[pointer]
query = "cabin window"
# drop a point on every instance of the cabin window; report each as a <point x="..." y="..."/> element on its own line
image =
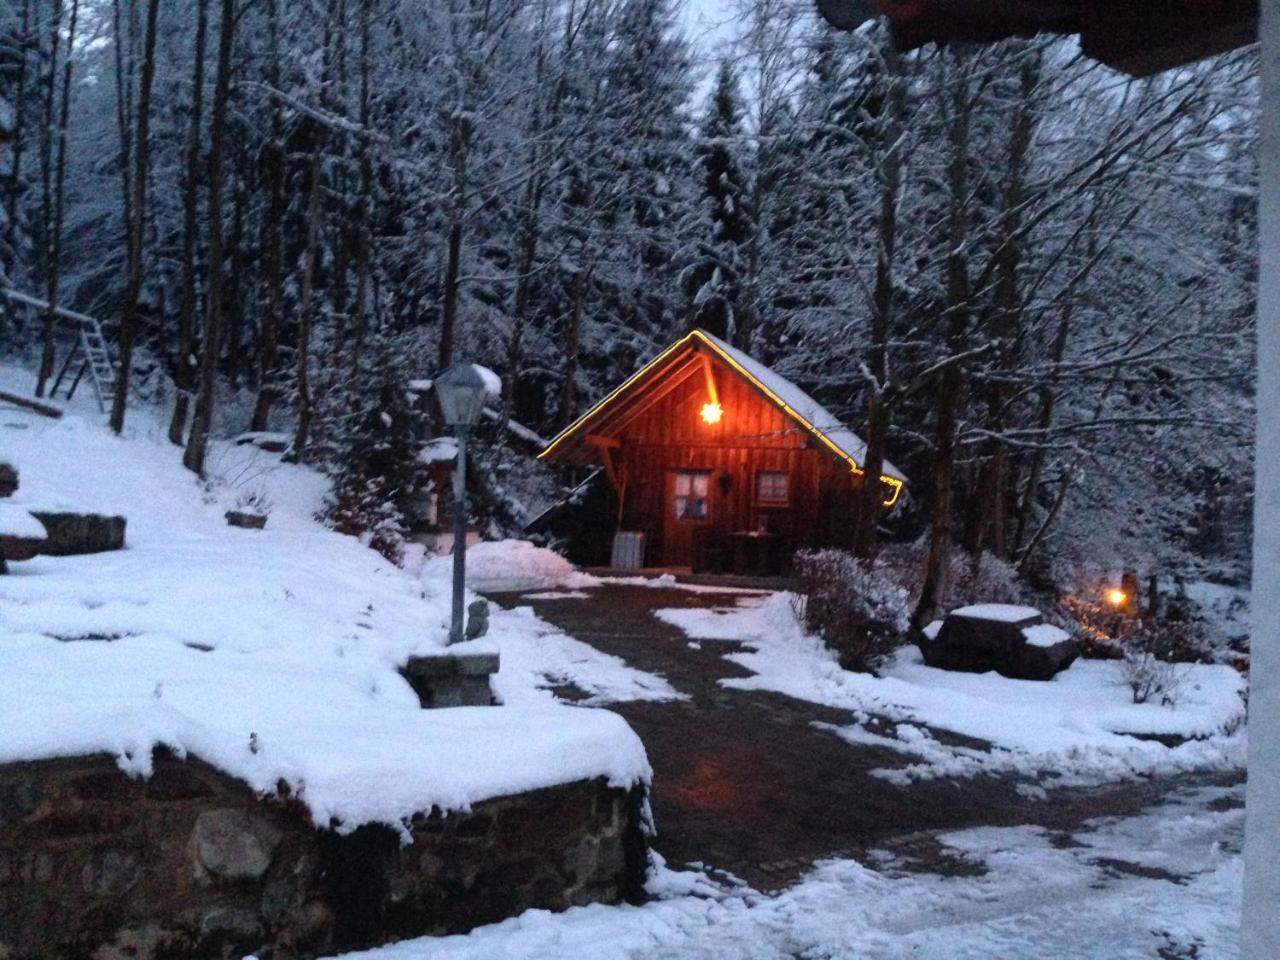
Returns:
<point x="691" y="494"/>
<point x="772" y="487"/>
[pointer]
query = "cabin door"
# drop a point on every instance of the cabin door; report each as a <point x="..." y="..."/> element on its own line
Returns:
<point x="687" y="509"/>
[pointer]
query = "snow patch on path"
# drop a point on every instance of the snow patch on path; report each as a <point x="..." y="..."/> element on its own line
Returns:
<point x="1080" y="726"/>
<point x="1036" y="901"/>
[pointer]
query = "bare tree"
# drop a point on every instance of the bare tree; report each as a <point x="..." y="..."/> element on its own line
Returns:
<point x="137" y="218"/>
<point x="186" y="366"/>
<point x="198" y="440"/>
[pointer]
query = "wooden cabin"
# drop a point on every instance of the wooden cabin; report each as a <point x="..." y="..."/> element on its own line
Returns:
<point x="716" y="463"/>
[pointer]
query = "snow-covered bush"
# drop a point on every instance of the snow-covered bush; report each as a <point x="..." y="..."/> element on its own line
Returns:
<point x="985" y="579"/>
<point x="254" y="501"/>
<point x="860" y="613"/>
<point x="376" y="468"/>
<point x="1148" y="678"/>
<point x="368" y="512"/>
<point x="981" y="579"/>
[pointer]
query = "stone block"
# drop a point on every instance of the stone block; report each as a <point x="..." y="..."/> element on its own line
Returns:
<point x="71" y="534"/>
<point x="233" y="844"/>
<point x="246" y="521"/>
<point x="452" y="679"/>
<point x="973" y="641"/>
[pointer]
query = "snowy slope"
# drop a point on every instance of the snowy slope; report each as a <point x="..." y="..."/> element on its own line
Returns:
<point x="272" y="654"/>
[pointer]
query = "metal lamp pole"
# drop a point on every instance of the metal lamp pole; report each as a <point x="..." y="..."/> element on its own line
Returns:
<point x="459" y="533"/>
<point x="460" y="391"/>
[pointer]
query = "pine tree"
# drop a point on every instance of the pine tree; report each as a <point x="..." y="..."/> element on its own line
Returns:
<point x="375" y="466"/>
<point x="723" y="221"/>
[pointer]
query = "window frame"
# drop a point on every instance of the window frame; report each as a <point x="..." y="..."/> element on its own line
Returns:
<point x="763" y="501"/>
<point x="691" y="495"/>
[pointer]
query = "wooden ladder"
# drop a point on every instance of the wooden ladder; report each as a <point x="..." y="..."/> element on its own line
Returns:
<point x="90" y="345"/>
<point x="96" y="362"/>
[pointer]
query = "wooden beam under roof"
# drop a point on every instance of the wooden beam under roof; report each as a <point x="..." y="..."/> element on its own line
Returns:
<point x="1138" y="37"/>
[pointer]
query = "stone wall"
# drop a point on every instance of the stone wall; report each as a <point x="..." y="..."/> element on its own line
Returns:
<point x="191" y="864"/>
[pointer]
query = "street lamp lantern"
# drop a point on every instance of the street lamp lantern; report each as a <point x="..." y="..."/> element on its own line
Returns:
<point x="461" y="392"/>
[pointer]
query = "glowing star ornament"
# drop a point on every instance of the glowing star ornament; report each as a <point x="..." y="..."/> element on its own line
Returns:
<point x="712" y="412"/>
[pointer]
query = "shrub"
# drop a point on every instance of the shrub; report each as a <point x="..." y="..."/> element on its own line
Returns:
<point x="1149" y="678"/>
<point x="365" y="509"/>
<point x="861" y="614"/>
<point x="985" y="579"/>
<point x="1147" y="663"/>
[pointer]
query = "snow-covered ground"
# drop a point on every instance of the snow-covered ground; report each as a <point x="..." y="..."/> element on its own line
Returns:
<point x="1080" y="727"/>
<point x="272" y="654"/>
<point x="1161" y="886"/>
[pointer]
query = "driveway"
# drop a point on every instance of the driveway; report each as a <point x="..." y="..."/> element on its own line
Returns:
<point x="745" y="783"/>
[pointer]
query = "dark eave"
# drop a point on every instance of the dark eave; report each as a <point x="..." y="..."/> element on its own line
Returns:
<point x="1138" y="37"/>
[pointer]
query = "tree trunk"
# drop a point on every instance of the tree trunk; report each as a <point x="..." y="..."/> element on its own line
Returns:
<point x="19" y="138"/>
<point x="364" y="206"/>
<point x="525" y="261"/>
<point x="458" y="148"/>
<point x="184" y="371"/>
<point x="449" y="311"/>
<point x="879" y="409"/>
<point x="951" y="388"/>
<point x="202" y="418"/>
<point x="137" y="220"/>
<point x="54" y="180"/>
<point x="988" y="504"/>
<point x="272" y="238"/>
<point x="573" y="346"/>
<point x="304" y="320"/>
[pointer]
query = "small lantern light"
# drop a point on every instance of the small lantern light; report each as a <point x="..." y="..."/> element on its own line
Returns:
<point x="1117" y="597"/>
<point x="460" y="391"/>
<point x="712" y="412"/>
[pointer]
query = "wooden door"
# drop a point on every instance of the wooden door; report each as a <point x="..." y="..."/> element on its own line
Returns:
<point x="687" y="509"/>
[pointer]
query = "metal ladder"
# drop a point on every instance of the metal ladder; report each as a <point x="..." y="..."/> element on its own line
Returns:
<point x="89" y="343"/>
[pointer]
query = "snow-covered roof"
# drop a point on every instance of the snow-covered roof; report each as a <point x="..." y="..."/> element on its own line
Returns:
<point x="800" y="405"/>
<point x="789" y="398"/>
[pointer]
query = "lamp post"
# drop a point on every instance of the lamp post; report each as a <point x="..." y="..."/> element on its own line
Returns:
<point x="460" y="391"/>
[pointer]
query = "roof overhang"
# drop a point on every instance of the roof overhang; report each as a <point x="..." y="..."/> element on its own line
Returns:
<point x="579" y="434"/>
<point x="1137" y="37"/>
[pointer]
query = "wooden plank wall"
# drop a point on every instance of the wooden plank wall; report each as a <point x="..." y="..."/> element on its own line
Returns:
<point x="752" y="435"/>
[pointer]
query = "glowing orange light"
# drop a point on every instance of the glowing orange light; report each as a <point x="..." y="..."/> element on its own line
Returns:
<point x="1117" y="597"/>
<point x="712" y="412"/>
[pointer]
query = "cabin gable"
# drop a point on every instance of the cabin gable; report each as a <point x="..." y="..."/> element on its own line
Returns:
<point x="709" y="461"/>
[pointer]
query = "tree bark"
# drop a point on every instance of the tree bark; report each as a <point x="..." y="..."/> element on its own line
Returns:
<point x="55" y="192"/>
<point x="302" y="434"/>
<point x="879" y="408"/>
<point x="273" y="238"/>
<point x="137" y="220"/>
<point x="364" y="205"/>
<point x="573" y="345"/>
<point x="184" y="371"/>
<point x="202" y="418"/>
<point x="459" y="147"/>
<point x="951" y="388"/>
<point x="19" y="138"/>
